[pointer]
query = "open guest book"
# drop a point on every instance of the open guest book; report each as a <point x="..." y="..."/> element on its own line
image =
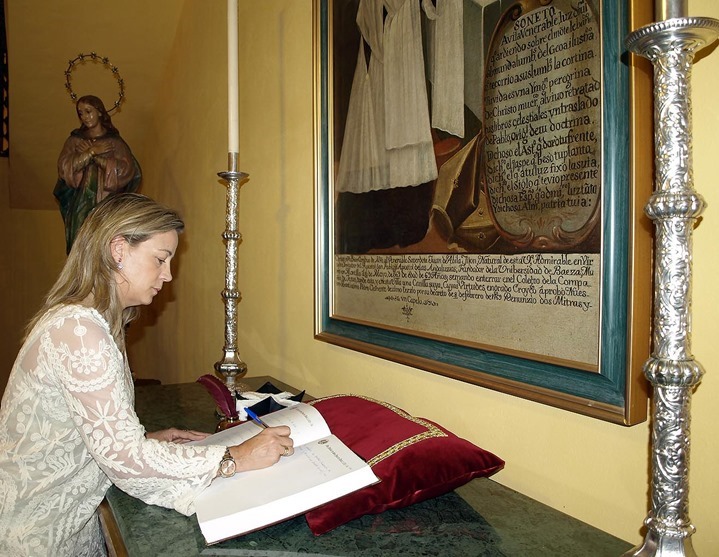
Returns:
<point x="321" y="469"/>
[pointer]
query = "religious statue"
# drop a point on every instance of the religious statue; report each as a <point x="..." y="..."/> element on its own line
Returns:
<point x="95" y="162"/>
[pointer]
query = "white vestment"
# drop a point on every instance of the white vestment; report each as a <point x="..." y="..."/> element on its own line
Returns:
<point x="363" y="164"/>
<point x="446" y="64"/>
<point x="408" y="135"/>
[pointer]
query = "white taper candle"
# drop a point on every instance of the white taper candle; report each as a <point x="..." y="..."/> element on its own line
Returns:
<point x="233" y="123"/>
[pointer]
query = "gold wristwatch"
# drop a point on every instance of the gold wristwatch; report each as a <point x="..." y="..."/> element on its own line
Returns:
<point x="227" y="465"/>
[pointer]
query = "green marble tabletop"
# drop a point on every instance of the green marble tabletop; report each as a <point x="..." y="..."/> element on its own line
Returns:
<point x="482" y="518"/>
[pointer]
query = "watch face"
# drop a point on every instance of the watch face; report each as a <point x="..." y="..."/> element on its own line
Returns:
<point x="227" y="468"/>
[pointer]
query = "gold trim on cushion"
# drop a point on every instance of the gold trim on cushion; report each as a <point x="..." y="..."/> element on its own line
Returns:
<point x="432" y="430"/>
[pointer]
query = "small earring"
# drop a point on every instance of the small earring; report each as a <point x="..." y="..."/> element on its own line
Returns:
<point x="119" y="265"/>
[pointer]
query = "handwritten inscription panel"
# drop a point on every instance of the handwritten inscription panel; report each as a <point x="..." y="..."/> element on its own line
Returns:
<point x="542" y="124"/>
<point x="540" y="304"/>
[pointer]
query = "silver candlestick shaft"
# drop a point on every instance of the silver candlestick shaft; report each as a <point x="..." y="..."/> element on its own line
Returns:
<point x="674" y="207"/>
<point x="231" y="366"/>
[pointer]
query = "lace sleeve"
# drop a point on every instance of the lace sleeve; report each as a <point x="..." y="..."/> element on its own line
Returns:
<point x="97" y="388"/>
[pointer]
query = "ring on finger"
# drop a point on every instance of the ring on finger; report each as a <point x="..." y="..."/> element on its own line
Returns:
<point x="287" y="451"/>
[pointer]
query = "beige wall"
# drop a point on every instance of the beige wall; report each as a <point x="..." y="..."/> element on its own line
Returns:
<point x="590" y="469"/>
<point x="43" y="36"/>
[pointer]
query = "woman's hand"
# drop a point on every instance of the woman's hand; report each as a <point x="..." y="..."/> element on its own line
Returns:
<point x="87" y="150"/>
<point x="264" y="449"/>
<point x="102" y="147"/>
<point x="174" y="435"/>
<point x="86" y="154"/>
<point x="83" y="145"/>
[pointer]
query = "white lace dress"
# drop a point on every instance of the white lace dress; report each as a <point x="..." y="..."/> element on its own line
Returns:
<point x="68" y="429"/>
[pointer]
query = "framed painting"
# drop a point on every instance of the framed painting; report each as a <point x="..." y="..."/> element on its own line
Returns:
<point x="481" y="169"/>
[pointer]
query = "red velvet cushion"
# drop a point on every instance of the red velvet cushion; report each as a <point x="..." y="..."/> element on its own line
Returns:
<point x="414" y="458"/>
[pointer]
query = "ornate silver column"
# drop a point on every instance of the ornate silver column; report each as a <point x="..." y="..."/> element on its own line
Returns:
<point x="231" y="366"/>
<point x="674" y="207"/>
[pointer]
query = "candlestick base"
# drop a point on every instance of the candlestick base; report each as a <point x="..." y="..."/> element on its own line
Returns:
<point x="667" y="546"/>
<point x="231" y="368"/>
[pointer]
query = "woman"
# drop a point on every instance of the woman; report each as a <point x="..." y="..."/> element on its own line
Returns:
<point x="68" y="428"/>
<point x="94" y="163"/>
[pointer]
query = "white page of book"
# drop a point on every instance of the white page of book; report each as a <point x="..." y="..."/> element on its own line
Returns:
<point x="305" y="423"/>
<point x="319" y="471"/>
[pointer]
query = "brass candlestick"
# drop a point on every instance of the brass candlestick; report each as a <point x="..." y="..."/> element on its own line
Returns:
<point x="674" y="207"/>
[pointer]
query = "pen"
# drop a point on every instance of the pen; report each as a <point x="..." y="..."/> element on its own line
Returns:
<point x="255" y="418"/>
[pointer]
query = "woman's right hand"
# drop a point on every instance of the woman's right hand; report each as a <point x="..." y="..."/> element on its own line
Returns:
<point x="264" y="449"/>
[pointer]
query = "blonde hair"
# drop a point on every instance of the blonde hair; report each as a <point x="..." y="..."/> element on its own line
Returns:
<point x="90" y="269"/>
